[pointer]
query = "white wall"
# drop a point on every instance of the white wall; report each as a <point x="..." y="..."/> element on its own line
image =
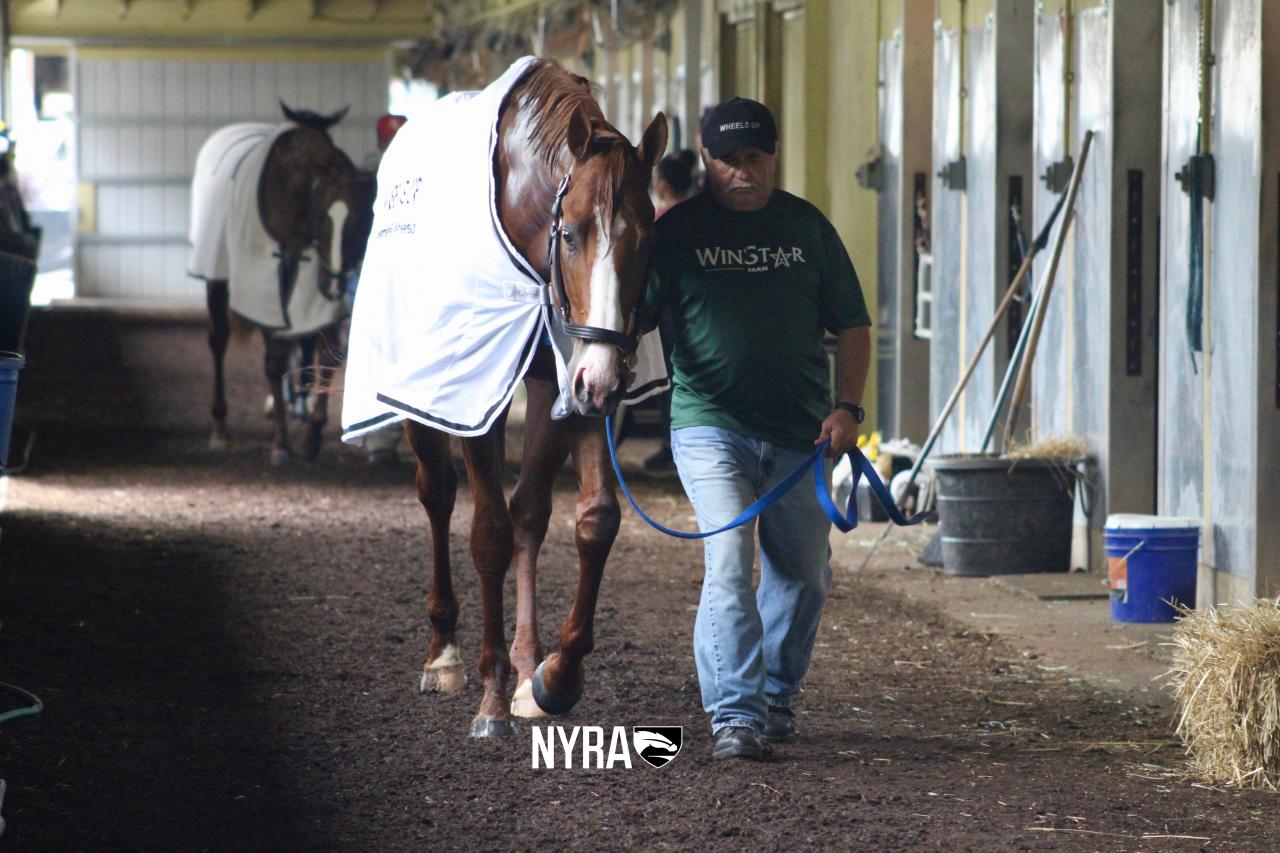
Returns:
<point x="140" y="124"/>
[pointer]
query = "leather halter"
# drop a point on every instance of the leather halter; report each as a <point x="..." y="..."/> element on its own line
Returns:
<point x="627" y="343"/>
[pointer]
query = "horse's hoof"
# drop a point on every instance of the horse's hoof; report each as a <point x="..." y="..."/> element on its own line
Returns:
<point x="310" y="453"/>
<point x="523" y="704"/>
<point x="447" y="680"/>
<point x="445" y="674"/>
<point x="553" y="704"/>
<point x="492" y="727"/>
<point x="281" y="456"/>
<point x="218" y="443"/>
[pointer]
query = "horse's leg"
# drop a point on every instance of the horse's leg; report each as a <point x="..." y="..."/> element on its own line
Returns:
<point x="557" y="683"/>
<point x="546" y="445"/>
<point x="437" y="488"/>
<point x="319" y="376"/>
<point x="491" y="547"/>
<point x="275" y="363"/>
<point x="218" y="301"/>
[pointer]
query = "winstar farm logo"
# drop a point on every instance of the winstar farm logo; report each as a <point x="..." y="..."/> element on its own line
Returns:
<point x="583" y="747"/>
<point x="750" y="258"/>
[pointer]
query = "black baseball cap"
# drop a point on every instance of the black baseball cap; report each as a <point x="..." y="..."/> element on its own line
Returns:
<point x="736" y="123"/>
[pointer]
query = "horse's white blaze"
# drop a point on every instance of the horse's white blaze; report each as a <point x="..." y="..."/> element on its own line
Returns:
<point x="338" y="216"/>
<point x="599" y="364"/>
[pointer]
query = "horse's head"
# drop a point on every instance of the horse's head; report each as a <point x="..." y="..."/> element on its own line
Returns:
<point x="339" y="212"/>
<point x="564" y="172"/>
<point x="603" y="247"/>
<point x="325" y="201"/>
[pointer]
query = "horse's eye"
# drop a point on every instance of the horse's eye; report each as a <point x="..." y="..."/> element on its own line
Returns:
<point x="567" y="236"/>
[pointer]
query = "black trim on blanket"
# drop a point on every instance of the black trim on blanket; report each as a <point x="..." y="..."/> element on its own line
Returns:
<point x="235" y="172"/>
<point x="505" y="398"/>
<point x="249" y="135"/>
<point x="517" y="260"/>
<point x="371" y="422"/>
<point x="646" y="388"/>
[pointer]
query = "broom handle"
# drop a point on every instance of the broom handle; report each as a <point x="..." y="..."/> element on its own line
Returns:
<point x="1010" y="374"/>
<point x="1042" y="308"/>
<point x="968" y="371"/>
<point x="1037" y="246"/>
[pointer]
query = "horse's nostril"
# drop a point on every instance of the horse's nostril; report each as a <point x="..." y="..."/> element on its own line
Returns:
<point x="580" y="388"/>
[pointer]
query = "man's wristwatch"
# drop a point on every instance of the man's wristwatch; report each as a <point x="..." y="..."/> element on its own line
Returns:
<point x="859" y="413"/>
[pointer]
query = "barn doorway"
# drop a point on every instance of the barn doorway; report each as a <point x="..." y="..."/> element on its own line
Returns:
<point x="42" y="132"/>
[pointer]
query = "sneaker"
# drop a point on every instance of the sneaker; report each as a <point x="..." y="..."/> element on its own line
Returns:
<point x="738" y="742"/>
<point x="661" y="464"/>
<point x="780" y="727"/>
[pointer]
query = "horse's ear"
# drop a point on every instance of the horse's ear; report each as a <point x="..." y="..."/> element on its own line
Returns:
<point x="654" y="142"/>
<point x="579" y="135"/>
<point x="290" y="114"/>
<point x="331" y="120"/>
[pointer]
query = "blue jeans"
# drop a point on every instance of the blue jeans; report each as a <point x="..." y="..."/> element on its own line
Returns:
<point x="753" y="648"/>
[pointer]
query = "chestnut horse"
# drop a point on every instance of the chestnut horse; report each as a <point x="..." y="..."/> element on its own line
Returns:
<point x="572" y="195"/>
<point x="310" y="197"/>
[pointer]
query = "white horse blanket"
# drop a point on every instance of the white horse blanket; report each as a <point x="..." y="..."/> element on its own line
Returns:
<point x="448" y="314"/>
<point x="229" y="242"/>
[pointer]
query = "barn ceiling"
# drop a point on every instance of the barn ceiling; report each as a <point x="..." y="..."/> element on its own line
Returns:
<point x="325" y="20"/>
<point x="493" y="23"/>
<point x="456" y="43"/>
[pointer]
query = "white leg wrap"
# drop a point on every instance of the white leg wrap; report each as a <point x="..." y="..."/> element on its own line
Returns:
<point x="523" y="704"/>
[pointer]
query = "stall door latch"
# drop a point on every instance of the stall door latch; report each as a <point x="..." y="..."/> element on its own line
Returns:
<point x="1058" y="176"/>
<point x="1196" y="176"/>
<point x="953" y="175"/>
<point x="871" y="174"/>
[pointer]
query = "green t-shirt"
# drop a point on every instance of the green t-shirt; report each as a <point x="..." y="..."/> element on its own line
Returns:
<point x="750" y="295"/>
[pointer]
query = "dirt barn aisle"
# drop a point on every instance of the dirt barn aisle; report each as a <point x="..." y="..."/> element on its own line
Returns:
<point x="228" y="655"/>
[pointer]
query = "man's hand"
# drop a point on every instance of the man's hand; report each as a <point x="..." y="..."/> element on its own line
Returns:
<point x="841" y="430"/>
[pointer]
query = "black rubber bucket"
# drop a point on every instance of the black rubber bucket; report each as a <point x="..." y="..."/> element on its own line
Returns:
<point x="17" y="275"/>
<point x="998" y="516"/>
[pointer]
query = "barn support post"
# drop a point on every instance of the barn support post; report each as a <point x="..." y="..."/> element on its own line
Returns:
<point x="891" y="169"/>
<point x="982" y="113"/>
<point x="4" y="61"/>
<point x="1219" y="410"/>
<point x="1096" y="74"/>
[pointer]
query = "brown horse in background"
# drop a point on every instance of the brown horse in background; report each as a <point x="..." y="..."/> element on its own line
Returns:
<point x="550" y="127"/>
<point x="305" y="179"/>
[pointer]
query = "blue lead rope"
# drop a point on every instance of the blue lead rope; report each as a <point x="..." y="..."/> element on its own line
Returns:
<point x="845" y="521"/>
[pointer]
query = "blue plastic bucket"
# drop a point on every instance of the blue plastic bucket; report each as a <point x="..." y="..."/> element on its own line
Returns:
<point x="1151" y="562"/>
<point x="10" y="364"/>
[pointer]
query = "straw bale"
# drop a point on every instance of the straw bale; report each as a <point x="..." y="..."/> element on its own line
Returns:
<point x="1226" y="680"/>
<point x="1062" y="448"/>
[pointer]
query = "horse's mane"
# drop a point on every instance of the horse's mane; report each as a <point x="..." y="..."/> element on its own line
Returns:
<point x="555" y="97"/>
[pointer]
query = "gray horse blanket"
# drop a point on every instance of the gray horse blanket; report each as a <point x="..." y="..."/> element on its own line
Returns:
<point x="448" y="314"/>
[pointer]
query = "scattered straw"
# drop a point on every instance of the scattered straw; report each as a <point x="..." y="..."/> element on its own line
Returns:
<point x="1060" y="448"/>
<point x="1226" y="679"/>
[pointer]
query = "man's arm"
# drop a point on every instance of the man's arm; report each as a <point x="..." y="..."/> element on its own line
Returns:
<point x="853" y="360"/>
